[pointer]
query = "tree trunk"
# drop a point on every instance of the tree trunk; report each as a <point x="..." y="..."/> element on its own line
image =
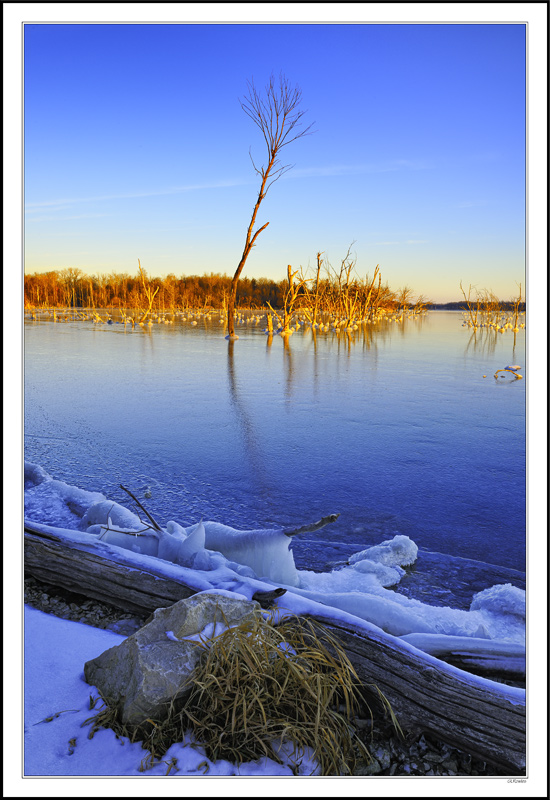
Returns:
<point x="478" y="716"/>
<point x="249" y="244"/>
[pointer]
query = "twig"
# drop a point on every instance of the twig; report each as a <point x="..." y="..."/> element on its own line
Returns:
<point x="154" y="523"/>
<point x="507" y="369"/>
<point x="315" y="526"/>
<point x="106" y="529"/>
<point x="266" y="599"/>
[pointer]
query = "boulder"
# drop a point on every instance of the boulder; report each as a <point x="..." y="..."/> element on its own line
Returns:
<point x="142" y="675"/>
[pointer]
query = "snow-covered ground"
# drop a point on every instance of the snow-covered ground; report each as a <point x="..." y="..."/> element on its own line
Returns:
<point x="57" y="703"/>
<point x="54" y="684"/>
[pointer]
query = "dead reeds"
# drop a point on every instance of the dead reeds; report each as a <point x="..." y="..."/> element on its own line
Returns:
<point x="485" y="310"/>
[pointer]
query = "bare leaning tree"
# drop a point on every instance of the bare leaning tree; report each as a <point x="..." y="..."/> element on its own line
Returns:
<point x="277" y="114"/>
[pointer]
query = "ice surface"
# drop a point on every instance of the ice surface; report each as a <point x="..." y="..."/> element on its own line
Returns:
<point x="441" y="460"/>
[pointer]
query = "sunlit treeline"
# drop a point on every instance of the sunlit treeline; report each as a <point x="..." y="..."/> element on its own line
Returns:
<point x="72" y="288"/>
<point x="341" y="291"/>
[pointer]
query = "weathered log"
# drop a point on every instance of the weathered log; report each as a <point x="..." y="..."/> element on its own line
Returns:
<point x="475" y="715"/>
<point x="80" y="568"/>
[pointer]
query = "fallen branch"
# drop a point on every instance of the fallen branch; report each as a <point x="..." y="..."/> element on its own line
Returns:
<point x="315" y="526"/>
<point x="266" y="599"/>
<point x="153" y="522"/>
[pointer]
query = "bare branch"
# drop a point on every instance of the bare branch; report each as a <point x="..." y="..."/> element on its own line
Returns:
<point x="153" y="522"/>
<point x="315" y="526"/>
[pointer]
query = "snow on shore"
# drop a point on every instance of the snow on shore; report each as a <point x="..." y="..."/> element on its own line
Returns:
<point x="55" y="653"/>
<point x="356" y="596"/>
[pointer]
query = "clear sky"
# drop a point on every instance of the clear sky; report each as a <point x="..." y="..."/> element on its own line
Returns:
<point x="136" y="146"/>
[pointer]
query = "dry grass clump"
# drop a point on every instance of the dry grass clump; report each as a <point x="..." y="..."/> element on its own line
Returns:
<point x="260" y="685"/>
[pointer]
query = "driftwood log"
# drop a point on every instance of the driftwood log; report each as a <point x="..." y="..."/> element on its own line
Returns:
<point x="473" y="716"/>
<point x="476" y="716"/>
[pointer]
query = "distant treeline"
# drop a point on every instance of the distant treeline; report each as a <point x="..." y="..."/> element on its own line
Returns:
<point x="71" y="288"/>
<point x="460" y="305"/>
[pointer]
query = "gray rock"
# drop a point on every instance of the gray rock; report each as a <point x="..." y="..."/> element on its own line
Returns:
<point x="434" y="758"/>
<point x="383" y="756"/>
<point x="367" y="768"/>
<point x="142" y="675"/>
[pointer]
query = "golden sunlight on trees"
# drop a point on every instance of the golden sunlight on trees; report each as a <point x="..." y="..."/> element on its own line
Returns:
<point x="278" y="117"/>
<point x="324" y="297"/>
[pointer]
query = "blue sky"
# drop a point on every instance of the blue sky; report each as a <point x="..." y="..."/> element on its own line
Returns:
<point x="136" y="147"/>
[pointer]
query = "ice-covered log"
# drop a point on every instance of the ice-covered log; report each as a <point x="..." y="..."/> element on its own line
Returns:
<point x="483" y="656"/>
<point x="134" y="582"/>
<point x="79" y="563"/>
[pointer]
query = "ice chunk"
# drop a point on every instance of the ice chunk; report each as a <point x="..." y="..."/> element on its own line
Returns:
<point x="265" y="551"/>
<point x="34" y="475"/>
<point x="502" y="599"/>
<point x="502" y="610"/>
<point x="121" y="517"/>
<point x="192" y="544"/>
<point x="387" y="576"/>
<point x="180" y="544"/>
<point x="169" y="547"/>
<point x="174" y="529"/>
<point x="399" y="551"/>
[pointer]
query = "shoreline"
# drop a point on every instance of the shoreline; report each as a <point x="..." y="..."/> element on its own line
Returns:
<point x="421" y="755"/>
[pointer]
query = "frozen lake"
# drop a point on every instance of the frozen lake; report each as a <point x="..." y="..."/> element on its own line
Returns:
<point x="394" y="427"/>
